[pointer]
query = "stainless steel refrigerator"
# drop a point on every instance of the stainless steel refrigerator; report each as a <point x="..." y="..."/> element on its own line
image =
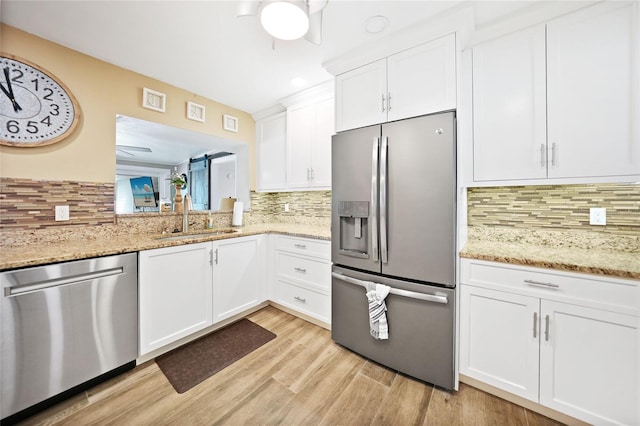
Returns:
<point x="393" y="222"/>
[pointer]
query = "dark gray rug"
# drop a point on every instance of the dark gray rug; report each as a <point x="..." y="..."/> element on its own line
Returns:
<point x="196" y="361"/>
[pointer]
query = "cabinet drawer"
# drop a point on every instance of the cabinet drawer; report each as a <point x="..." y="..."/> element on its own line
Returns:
<point x="309" y="247"/>
<point x="311" y="272"/>
<point x="304" y="300"/>
<point x="597" y="291"/>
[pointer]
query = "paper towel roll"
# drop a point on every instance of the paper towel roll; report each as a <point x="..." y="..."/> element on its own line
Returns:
<point x="237" y="214"/>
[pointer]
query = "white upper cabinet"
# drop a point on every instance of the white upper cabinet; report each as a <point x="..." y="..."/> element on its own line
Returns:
<point x="592" y="93"/>
<point x="309" y="131"/>
<point x="559" y="100"/>
<point x="422" y="80"/>
<point x="271" y="137"/>
<point x="509" y="107"/>
<point x="414" y="82"/>
<point x="361" y="96"/>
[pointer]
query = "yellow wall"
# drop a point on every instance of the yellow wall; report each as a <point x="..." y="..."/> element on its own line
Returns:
<point x="103" y="90"/>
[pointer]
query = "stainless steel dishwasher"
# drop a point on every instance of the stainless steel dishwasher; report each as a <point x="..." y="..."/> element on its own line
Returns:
<point x="64" y="325"/>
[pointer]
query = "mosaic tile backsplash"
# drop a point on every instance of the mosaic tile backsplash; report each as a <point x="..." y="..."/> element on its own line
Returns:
<point x="27" y="212"/>
<point x="556" y="207"/>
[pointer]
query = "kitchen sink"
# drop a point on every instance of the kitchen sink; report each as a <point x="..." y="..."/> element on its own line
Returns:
<point x="181" y="236"/>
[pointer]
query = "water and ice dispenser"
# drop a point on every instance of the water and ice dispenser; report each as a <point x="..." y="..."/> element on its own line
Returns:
<point x="354" y="234"/>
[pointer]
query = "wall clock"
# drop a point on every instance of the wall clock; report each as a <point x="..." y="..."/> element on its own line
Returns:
<point x="36" y="108"/>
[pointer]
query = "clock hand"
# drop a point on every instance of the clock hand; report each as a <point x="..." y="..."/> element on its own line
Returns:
<point x="9" y="92"/>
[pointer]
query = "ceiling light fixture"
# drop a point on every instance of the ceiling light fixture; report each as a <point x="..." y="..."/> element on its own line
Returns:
<point x="284" y="20"/>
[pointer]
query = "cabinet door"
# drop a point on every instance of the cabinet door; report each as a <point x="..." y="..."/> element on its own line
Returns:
<point x="175" y="297"/>
<point x="499" y="340"/>
<point x="361" y="96"/>
<point x="321" y="148"/>
<point x="272" y="152"/>
<point x="238" y="280"/>
<point x="589" y="363"/>
<point x="509" y="107"/>
<point x="593" y="92"/>
<point x="422" y="80"/>
<point x="300" y="125"/>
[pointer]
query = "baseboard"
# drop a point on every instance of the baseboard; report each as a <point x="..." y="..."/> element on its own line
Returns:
<point x="530" y="405"/>
<point x="299" y="314"/>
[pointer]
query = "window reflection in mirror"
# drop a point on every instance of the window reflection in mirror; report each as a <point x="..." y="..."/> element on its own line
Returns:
<point x="216" y="168"/>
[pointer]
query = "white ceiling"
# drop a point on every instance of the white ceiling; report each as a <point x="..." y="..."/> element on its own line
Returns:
<point x="202" y="47"/>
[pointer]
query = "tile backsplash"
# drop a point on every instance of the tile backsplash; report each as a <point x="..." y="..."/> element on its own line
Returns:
<point x="27" y="211"/>
<point x="556" y="207"/>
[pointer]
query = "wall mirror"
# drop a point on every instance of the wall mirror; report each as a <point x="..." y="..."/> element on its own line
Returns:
<point x="215" y="167"/>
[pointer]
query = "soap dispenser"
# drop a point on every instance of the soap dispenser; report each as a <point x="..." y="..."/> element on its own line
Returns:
<point x="210" y="221"/>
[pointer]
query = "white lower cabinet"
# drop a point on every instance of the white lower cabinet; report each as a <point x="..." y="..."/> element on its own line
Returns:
<point x="187" y="288"/>
<point x="175" y="294"/>
<point x="303" y="276"/>
<point x="239" y="269"/>
<point x="570" y="342"/>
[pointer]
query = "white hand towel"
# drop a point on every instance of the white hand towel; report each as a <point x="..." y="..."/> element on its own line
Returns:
<point x="376" y="293"/>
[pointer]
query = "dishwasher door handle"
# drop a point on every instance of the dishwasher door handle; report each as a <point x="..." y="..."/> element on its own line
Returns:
<point x="57" y="282"/>
<point x="398" y="292"/>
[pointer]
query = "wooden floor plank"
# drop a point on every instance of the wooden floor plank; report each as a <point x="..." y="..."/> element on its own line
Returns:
<point x="358" y="404"/>
<point x="406" y="402"/>
<point x="379" y="373"/>
<point x="470" y="406"/>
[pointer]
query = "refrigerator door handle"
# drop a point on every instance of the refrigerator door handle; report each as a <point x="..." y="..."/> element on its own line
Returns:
<point x="374" y="198"/>
<point x="397" y="291"/>
<point x="384" y="254"/>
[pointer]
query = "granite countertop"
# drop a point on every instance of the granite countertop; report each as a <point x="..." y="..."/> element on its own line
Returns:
<point x="41" y="254"/>
<point x="591" y="253"/>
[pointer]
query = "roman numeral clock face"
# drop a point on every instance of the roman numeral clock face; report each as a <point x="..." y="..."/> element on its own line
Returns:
<point x="35" y="107"/>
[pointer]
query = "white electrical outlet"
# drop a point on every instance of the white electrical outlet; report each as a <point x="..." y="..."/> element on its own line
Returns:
<point x="597" y="216"/>
<point x="62" y="213"/>
<point x="286" y="207"/>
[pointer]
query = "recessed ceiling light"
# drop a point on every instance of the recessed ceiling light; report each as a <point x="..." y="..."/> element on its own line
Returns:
<point x="298" y="81"/>
<point x="376" y="24"/>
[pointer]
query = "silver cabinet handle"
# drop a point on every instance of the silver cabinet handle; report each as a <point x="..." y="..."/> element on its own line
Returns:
<point x="313" y="173"/>
<point x="389" y="101"/>
<point x="383" y="201"/>
<point x="300" y="299"/>
<point x="546" y="328"/>
<point x="301" y="270"/>
<point x="211" y="257"/>
<point x="535" y="325"/>
<point x="543" y="156"/>
<point x="300" y="246"/>
<point x="382" y="102"/>
<point x="216" y="256"/>
<point x="374" y="198"/>
<point x="541" y="284"/>
<point x="553" y="154"/>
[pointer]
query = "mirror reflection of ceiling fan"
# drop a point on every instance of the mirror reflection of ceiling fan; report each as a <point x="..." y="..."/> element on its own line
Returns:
<point x="287" y="20"/>
<point x="129" y="150"/>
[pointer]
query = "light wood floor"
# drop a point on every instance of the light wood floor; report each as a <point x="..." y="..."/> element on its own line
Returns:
<point x="300" y="378"/>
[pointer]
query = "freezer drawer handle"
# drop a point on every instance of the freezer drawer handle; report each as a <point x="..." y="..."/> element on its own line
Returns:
<point x="42" y="285"/>
<point x="541" y="284"/>
<point x="398" y="292"/>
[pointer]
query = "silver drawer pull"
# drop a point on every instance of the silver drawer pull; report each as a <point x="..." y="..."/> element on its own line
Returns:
<point x="546" y="328"/>
<point x="535" y="325"/>
<point x="300" y="299"/>
<point x="300" y="246"/>
<point x="541" y="284"/>
<point x="301" y="270"/>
